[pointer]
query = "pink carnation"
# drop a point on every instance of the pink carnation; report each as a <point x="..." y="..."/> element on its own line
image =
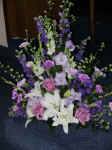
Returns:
<point x="99" y="89"/>
<point x="83" y="115"/>
<point x="49" y="84"/>
<point x="49" y="64"/>
<point x="83" y="77"/>
<point x="38" y="111"/>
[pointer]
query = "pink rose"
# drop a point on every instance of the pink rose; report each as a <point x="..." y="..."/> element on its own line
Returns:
<point x="49" y="84"/>
<point x="38" y="111"/>
<point x="83" y="115"/>
<point x="83" y="77"/>
<point x="48" y="64"/>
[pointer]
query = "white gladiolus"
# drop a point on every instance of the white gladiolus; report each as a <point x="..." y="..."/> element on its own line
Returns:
<point x="51" y="43"/>
<point x="51" y="47"/>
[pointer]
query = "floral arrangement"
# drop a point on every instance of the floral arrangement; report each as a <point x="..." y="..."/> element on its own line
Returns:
<point x="59" y="83"/>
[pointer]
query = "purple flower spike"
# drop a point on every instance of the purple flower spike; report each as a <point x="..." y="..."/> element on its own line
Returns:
<point x="19" y="98"/>
<point x="80" y="54"/>
<point x="20" y="112"/>
<point x="14" y="94"/>
<point x="43" y="37"/>
<point x="39" y="25"/>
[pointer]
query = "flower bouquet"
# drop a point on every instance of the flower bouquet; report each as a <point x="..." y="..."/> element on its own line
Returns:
<point x="60" y="84"/>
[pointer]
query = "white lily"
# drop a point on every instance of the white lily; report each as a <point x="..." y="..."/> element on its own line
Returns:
<point x="35" y="92"/>
<point x="64" y="117"/>
<point x="52" y="104"/>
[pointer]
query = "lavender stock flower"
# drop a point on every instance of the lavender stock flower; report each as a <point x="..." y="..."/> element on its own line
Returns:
<point x="39" y="23"/>
<point x="41" y="30"/>
<point x="99" y="105"/>
<point x="43" y="37"/>
<point x="14" y="94"/>
<point x="64" y="26"/>
<point x="19" y="98"/>
<point x="28" y="71"/>
<point x="22" y="59"/>
<point x="97" y="109"/>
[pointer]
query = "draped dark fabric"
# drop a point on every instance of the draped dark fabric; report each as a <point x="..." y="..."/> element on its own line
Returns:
<point x="38" y="136"/>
